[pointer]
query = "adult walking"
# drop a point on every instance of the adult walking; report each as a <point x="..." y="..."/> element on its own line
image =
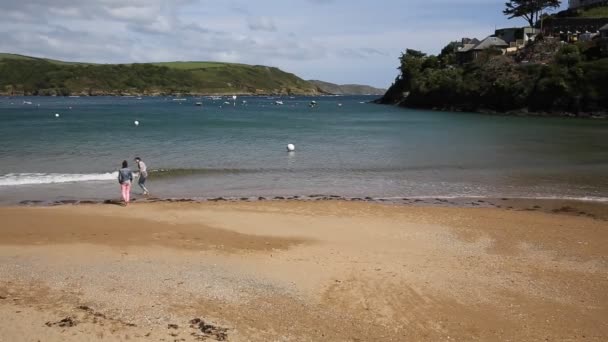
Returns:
<point x="143" y="175"/>
<point x="125" y="177"/>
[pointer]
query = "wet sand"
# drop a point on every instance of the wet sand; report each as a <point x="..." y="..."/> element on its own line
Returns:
<point x="322" y="270"/>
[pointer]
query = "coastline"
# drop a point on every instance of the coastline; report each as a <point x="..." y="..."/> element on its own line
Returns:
<point x="523" y="112"/>
<point x="596" y="208"/>
<point x="302" y="270"/>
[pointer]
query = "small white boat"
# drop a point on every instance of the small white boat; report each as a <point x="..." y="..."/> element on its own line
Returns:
<point x="226" y="102"/>
<point x="278" y="103"/>
<point x="27" y="102"/>
<point x="180" y="99"/>
<point x="199" y="103"/>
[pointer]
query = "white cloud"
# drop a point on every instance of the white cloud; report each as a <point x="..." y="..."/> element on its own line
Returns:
<point x="335" y="40"/>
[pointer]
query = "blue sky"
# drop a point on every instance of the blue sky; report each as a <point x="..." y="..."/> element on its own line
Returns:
<point x="332" y="40"/>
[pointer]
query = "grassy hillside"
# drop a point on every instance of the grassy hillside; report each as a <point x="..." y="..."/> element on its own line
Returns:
<point x="29" y="58"/>
<point x="594" y="12"/>
<point x="347" y="89"/>
<point x="588" y="12"/>
<point x="24" y="75"/>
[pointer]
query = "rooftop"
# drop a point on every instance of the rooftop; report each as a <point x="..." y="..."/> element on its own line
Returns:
<point x="489" y="42"/>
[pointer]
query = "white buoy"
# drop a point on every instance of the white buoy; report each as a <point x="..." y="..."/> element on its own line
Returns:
<point x="339" y="105"/>
<point x="136" y="123"/>
<point x="56" y="115"/>
<point x="291" y="147"/>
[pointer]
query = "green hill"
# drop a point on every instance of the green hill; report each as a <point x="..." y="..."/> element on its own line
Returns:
<point x="25" y="75"/>
<point x="347" y="89"/>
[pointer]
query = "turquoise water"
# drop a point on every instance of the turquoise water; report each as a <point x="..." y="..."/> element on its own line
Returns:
<point x="356" y="149"/>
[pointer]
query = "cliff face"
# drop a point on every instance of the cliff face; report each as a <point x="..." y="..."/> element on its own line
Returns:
<point x="544" y="78"/>
<point x="346" y="89"/>
<point x="23" y="75"/>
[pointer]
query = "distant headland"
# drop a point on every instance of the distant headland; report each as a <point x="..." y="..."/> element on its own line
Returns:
<point x="25" y="75"/>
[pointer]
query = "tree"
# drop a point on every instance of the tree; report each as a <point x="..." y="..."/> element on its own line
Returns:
<point x="530" y="10"/>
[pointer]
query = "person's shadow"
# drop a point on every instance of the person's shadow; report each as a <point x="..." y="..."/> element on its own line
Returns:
<point x="114" y="202"/>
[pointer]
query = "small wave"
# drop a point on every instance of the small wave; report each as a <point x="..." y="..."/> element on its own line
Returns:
<point x="207" y="171"/>
<point x="13" y="179"/>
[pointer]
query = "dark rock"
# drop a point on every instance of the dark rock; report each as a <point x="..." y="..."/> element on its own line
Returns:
<point x="64" y="323"/>
<point x="208" y="330"/>
<point x="564" y="209"/>
<point x="279" y="198"/>
<point x="261" y="198"/>
<point x="172" y="326"/>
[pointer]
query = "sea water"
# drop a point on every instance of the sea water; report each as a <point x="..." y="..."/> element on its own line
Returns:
<point x="238" y="149"/>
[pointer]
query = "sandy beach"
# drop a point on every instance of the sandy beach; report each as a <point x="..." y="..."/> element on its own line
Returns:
<point x="303" y="271"/>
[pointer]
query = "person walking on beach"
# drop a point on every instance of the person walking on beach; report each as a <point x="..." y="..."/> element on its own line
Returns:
<point x="125" y="177"/>
<point x="143" y="174"/>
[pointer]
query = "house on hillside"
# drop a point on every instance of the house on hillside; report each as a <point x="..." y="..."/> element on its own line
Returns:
<point x="464" y="50"/>
<point x="469" y="52"/>
<point x="517" y="36"/>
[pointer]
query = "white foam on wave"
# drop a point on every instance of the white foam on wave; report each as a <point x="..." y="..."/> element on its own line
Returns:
<point x="13" y="179"/>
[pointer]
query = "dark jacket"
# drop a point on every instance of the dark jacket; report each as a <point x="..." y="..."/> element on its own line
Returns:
<point x="125" y="175"/>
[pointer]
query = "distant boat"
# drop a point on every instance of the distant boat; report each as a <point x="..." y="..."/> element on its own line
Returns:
<point x="312" y="103"/>
<point x="215" y="98"/>
<point x="199" y="103"/>
<point x="180" y="99"/>
<point x="74" y="96"/>
<point x="278" y="103"/>
<point x="27" y="102"/>
<point x="226" y="102"/>
<point x="139" y="98"/>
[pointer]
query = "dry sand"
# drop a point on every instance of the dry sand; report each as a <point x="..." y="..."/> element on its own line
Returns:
<point x="301" y="271"/>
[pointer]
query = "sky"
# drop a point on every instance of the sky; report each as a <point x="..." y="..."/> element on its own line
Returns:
<point x="340" y="41"/>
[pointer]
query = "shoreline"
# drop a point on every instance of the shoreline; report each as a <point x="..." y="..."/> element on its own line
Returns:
<point x="592" y="207"/>
<point x="300" y="270"/>
<point x="523" y="112"/>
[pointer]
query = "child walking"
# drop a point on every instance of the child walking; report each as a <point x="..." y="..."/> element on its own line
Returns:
<point x="125" y="177"/>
